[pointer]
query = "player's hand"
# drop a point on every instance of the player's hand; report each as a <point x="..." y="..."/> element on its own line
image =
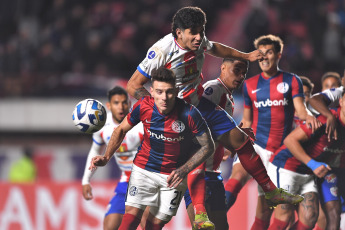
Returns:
<point x="248" y="131"/>
<point x="331" y="130"/>
<point x="176" y="177"/>
<point x="322" y="170"/>
<point x="87" y="192"/>
<point x="312" y="122"/>
<point x="98" y="161"/>
<point x="255" y="55"/>
<point x="227" y="154"/>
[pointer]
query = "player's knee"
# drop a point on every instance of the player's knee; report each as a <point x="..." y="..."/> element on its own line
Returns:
<point x="162" y="218"/>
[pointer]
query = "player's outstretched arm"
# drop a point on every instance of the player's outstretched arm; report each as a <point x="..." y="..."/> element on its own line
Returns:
<point x="135" y="85"/>
<point x="293" y="143"/>
<point x="305" y="115"/>
<point x="223" y="51"/>
<point x="114" y="143"/>
<point x="206" y="150"/>
<point x="318" y="102"/>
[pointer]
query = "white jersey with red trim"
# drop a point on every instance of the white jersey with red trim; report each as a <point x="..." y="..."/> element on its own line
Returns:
<point x="125" y="155"/>
<point x="219" y="94"/>
<point x="186" y="65"/>
<point x="333" y="95"/>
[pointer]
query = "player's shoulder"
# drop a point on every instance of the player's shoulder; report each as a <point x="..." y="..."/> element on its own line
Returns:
<point x="163" y="45"/>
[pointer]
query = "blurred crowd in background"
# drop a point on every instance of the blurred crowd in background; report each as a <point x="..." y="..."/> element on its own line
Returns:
<point x="76" y="47"/>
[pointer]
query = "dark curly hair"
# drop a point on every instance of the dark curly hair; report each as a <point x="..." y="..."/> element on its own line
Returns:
<point x="188" y="17"/>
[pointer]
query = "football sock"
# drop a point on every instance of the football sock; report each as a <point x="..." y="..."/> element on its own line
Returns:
<point x="232" y="188"/>
<point x="260" y="224"/>
<point x="278" y="224"/>
<point x="298" y="225"/>
<point x="197" y="186"/>
<point x="252" y="163"/>
<point x="129" y="222"/>
<point x="151" y="226"/>
<point x="317" y="227"/>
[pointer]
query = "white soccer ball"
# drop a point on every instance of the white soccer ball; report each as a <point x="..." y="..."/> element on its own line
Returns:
<point x="89" y="115"/>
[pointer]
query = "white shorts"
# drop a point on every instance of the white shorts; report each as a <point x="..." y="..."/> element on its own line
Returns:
<point x="147" y="188"/>
<point x="293" y="182"/>
<point x="265" y="156"/>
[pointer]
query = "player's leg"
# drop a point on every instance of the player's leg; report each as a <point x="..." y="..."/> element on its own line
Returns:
<point x="333" y="212"/>
<point x="321" y="223"/>
<point x="308" y="211"/>
<point x="283" y="214"/>
<point x="189" y="206"/>
<point x="215" y="196"/>
<point x="131" y="219"/>
<point x="239" y="177"/>
<point x="116" y="208"/>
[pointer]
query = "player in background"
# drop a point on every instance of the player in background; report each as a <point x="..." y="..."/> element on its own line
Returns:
<point x="306" y="153"/>
<point x="270" y="101"/>
<point x="118" y="105"/>
<point x="176" y="140"/>
<point x="330" y="80"/>
<point x="219" y="91"/>
<point x="328" y="98"/>
<point x="183" y="51"/>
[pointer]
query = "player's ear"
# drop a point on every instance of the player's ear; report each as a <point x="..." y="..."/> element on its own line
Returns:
<point x="108" y="105"/>
<point x="279" y="55"/>
<point x="178" y="32"/>
<point x="151" y="90"/>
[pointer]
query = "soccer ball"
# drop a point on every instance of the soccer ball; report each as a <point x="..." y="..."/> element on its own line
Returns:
<point x="89" y="116"/>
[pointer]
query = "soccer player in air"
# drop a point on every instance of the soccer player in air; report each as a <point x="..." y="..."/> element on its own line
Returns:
<point x="293" y="166"/>
<point x="183" y="51"/>
<point x="176" y="140"/>
<point x="219" y="91"/>
<point x="118" y="104"/>
<point x="270" y="100"/>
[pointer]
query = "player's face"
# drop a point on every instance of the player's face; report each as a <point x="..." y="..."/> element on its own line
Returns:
<point x="329" y="83"/>
<point x="269" y="63"/>
<point x="307" y="93"/>
<point x="233" y="74"/>
<point x="190" y="38"/>
<point x="118" y="105"/>
<point x="164" y="95"/>
<point x="342" y="107"/>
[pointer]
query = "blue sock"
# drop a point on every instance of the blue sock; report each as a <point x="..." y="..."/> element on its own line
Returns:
<point x="230" y="199"/>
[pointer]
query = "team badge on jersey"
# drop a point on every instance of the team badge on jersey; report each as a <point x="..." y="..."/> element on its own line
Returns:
<point x="283" y="87"/>
<point x="178" y="126"/>
<point x="208" y="91"/>
<point x="334" y="191"/>
<point x="133" y="191"/>
<point x="151" y="55"/>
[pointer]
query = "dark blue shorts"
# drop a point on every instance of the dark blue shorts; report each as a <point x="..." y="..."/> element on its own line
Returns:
<point x="117" y="203"/>
<point x="216" y="118"/>
<point x="215" y="192"/>
<point x="330" y="189"/>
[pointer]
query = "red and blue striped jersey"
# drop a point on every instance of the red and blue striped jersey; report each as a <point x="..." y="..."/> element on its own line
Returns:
<point x="317" y="147"/>
<point x="168" y="139"/>
<point x="271" y="102"/>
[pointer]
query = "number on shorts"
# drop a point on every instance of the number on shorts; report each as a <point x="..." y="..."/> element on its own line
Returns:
<point x="177" y="199"/>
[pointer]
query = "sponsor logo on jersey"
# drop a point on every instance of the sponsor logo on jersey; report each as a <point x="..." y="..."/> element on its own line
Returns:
<point x="255" y="90"/>
<point x="338" y="151"/>
<point x="269" y="103"/>
<point x="178" y="126"/>
<point x="164" y="138"/>
<point x="133" y="191"/>
<point x="151" y="55"/>
<point x="331" y="178"/>
<point x="283" y="87"/>
<point x="149" y="122"/>
<point x="208" y="91"/>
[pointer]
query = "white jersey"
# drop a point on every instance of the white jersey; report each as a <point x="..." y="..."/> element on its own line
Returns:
<point x="125" y="154"/>
<point x="333" y="95"/>
<point x="186" y="65"/>
<point x="219" y="94"/>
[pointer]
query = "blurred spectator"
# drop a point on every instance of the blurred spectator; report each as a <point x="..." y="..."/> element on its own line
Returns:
<point x="23" y="170"/>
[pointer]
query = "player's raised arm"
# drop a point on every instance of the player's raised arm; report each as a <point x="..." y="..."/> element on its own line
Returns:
<point x="135" y="85"/>
<point x="304" y="114"/>
<point x="319" y="103"/>
<point x="206" y="150"/>
<point x="223" y="51"/>
<point x="114" y="143"/>
<point x="293" y="143"/>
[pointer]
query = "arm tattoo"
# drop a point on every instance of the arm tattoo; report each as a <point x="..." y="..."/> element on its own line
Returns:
<point x="141" y="92"/>
<point x="205" y="151"/>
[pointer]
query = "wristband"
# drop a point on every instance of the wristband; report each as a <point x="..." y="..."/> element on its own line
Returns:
<point x="313" y="164"/>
